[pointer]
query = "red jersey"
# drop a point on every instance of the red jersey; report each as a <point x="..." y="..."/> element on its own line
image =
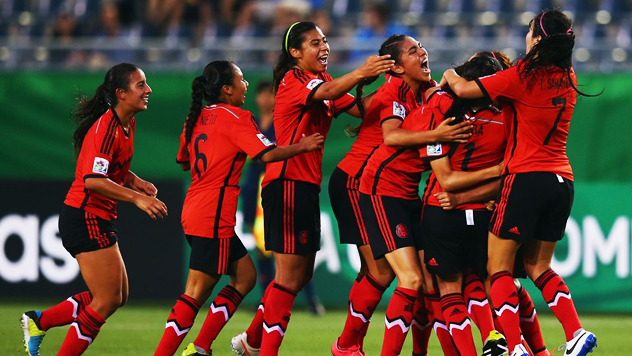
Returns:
<point x="106" y="152"/>
<point x="393" y="100"/>
<point x="222" y="138"/>
<point x="485" y="149"/>
<point x="537" y="118"/>
<point x="396" y="171"/>
<point x="294" y="115"/>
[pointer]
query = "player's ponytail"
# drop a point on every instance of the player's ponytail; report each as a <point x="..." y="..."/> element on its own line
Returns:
<point x="478" y="66"/>
<point x="292" y="38"/>
<point x="88" y="111"/>
<point x="207" y="88"/>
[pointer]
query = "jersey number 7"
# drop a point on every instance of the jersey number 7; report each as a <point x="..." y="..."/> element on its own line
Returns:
<point x="556" y="102"/>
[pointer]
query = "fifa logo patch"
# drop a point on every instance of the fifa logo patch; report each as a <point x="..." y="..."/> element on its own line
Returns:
<point x="399" y="110"/>
<point x="313" y="83"/>
<point x="264" y="139"/>
<point x="401" y="230"/>
<point x="434" y="150"/>
<point x="100" y="165"/>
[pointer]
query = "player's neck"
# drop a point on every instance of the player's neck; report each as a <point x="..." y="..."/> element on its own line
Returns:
<point x="125" y="117"/>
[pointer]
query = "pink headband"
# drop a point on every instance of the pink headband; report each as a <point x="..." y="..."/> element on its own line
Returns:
<point x="494" y="55"/>
<point x="569" y="30"/>
<point x="542" y="27"/>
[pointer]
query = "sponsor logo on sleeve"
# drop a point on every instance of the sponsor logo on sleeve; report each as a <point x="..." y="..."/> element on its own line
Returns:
<point x="264" y="139"/>
<point x="434" y="150"/>
<point x="399" y="110"/>
<point x="100" y="165"/>
<point x="313" y="83"/>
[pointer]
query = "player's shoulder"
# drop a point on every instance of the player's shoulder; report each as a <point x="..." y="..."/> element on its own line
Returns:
<point x="227" y="110"/>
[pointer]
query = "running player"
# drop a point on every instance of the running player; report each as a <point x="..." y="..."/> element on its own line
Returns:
<point x="537" y="187"/>
<point x="214" y="145"/>
<point x="104" y="147"/>
<point x="307" y="99"/>
<point x="398" y="96"/>
<point x="456" y="240"/>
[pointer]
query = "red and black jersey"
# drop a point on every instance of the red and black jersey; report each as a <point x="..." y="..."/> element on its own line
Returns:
<point x="106" y="152"/>
<point x="537" y="118"/>
<point x="485" y="149"/>
<point x="296" y="114"/>
<point x="221" y="140"/>
<point x="396" y="171"/>
<point x="393" y="100"/>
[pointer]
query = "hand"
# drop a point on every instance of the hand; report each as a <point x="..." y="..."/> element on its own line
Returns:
<point x="147" y="188"/>
<point x="459" y="133"/>
<point x="447" y="200"/>
<point x="312" y="142"/>
<point x="448" y="76"/>
<point x="376" y="65"/>
<point x="490" y="205"/>
<point x="152" y="206"/>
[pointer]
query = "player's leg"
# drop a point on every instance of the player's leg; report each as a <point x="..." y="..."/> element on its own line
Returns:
<point x="529" y="323"/>
<point x="455" y="312"/>
<point x="102" y="270"/>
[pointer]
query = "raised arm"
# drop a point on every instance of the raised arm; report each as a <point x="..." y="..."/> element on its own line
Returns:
<point x="374" y="65"/>
<point x="462" y="87"/>
<point x="395" y="136"/>
<point x="451" y="180"/>
<point x="306" y="144"/>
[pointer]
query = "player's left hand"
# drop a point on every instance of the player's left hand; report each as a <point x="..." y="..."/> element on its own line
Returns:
<point x="447" y="200"/>
<point x="145" y="187"/>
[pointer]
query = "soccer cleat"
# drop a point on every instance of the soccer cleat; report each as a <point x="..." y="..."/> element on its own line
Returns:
<point x="336" y="350"/>
<point x="495" y="345"/>
<point x="582" y="344"/>
<point x="520" y="351"/>
<point x="240" y="345"/>
<point x="33" y="334"/>
<point x="193" y="350"/>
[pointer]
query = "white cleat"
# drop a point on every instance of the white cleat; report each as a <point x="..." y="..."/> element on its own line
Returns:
<point x="240" y="346"/>
<point x="520" y="351"/>
<point x="582" y="344"/>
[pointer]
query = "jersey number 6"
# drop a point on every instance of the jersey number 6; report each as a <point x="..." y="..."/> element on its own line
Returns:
<point x="198" y="155"/>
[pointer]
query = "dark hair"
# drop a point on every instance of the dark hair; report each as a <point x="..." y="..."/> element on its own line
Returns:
<point x="293" y="37"/>
<point x="502" y="58"/>
<point x="555" y="48"/>
<point x="88" y="111"/>
<point x="263" y="86"/>
<point x="478" y="66"/>
<point x="207" y="88"/>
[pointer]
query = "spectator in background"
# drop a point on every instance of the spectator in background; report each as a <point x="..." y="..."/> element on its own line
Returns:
<point x="375" y="29"/>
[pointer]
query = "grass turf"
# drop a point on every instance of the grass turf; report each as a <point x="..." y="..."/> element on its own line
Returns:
<point x="136" y="330"/>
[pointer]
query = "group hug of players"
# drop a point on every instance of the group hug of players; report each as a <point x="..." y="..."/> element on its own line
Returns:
<point x="497" y="201"/>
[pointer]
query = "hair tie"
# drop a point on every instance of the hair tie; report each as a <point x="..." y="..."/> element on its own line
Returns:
<point x="569" y="31"/>
<point x="541" y="26"/>
<point x="287" y="36"/>
<point x="494" y="55"/>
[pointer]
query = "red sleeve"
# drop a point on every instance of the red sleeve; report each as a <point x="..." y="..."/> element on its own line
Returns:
<point x="98" y="146"/>
<point x="343" y="104"/>
<point x="392" y="109"/>
<point x="248" y="138"/>
<point x="302" y="85"/>
<point x="183" y="151"/>
<point x="428" y="117"/>
<point x="506" y="83"/>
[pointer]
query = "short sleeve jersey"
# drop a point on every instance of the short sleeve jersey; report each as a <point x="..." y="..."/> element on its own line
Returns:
<point x="106" y="152"/>
<point x="393" y="100"/>
<point x="396" y="171"/>
<point x="221" y="140"/>
<point x="296" y="114"/>
<point x="485" y="148"/>
<point x="537" y="118"/>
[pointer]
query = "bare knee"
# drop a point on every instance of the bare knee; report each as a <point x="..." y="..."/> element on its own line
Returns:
<point x="245" y="282"/>
<point x="535" y="271"/>
<point x="410" y="279"/>
<point x="106" y="305"/>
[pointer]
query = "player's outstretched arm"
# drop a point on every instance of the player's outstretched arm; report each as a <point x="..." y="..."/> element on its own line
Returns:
<point x="106" y="187"/>
<point x="479" y="194"/>
<point x="306" y="144"/>
<point x="451" y="180"/>
<point x="462" y="87"/>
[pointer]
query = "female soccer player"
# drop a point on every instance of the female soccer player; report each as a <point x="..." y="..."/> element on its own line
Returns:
<point x="537" y="187"/>
<point x="87" y="224"/>
<point x="307" y="99"/>
<point x="456" y="240"/>
<point x="214" y="145"/>
<point x="398" y="96"/>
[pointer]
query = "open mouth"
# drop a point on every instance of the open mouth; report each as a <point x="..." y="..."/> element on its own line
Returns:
<point x="145" y="99"/>
<point x="424" y="66"/>
<point x="323" y="59"/>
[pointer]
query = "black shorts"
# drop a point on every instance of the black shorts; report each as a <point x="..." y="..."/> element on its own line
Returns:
<point x="81" y="231"/>
<point x="533" y="205"/>
<point x="345" y="202"/>
<point x="392" y="223"/>
<point x="455" y="240"/>
<point x="214" y="256"/>
<point x="291" y="217"/>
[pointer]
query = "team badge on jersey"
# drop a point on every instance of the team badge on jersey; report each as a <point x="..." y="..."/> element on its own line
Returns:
<point x="399" y="110"/>
<point x="401" y="230"/>
<point x="100" y="165"/>
<point x="313" y="83"/>
<point x="434" y="150"/>
<point x="264" y="139"/>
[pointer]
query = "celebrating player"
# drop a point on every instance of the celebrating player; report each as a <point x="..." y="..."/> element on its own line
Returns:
<point x="307" y="99"/>
<point x="87" y="224"/>
<point x="537" y="188"/>
<point x="405" y="83"/>
<point x="214" y="145"/>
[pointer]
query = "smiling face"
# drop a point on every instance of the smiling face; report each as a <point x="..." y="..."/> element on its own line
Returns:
<point x="314" y="52"/>
<point x="235" y="94"/>
<point x="413" y="63"/>
<point x="136" y="97"/>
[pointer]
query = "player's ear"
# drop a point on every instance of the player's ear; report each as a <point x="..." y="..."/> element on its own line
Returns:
<point x="398" y="69"/>
<point x="227" y="89"/>
<point x="121" y="94"/>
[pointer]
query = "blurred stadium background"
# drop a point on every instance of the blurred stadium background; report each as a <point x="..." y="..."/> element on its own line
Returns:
<point x="51" y="50"/>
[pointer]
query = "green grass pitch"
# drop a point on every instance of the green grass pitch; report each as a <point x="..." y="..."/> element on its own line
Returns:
<point x="136" y="330"/>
